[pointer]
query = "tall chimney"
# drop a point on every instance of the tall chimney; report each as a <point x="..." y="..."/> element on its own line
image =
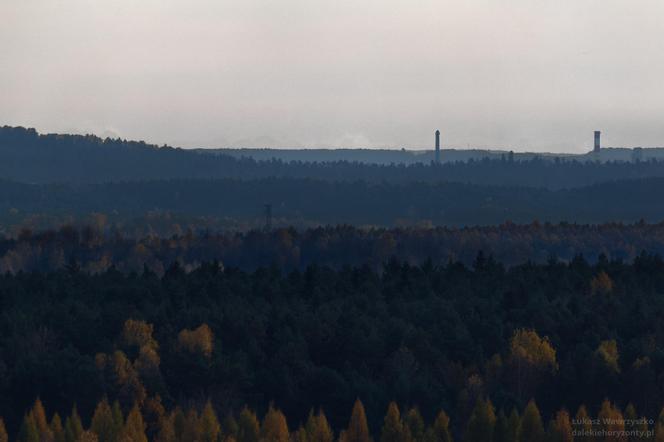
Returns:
<point x="597" y="143"/>
<point x="437" y="147"/>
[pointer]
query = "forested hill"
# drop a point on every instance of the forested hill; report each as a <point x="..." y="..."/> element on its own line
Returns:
<point x="29" y="157"/>
<point x="307" y="202"/>
<point x="100" y="245"/>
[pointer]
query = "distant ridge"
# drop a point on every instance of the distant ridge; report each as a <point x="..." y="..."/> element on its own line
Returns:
<point x="28" y="157"/>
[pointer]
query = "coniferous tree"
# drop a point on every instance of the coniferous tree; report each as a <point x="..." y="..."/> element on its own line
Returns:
<point x="118" y="420"/>
<point x="560" y="428"/>
<point x="274" y="428"/>
<point x="583" y="425"/>
<point x="39" y="415"/>
<point x="300" y="435"/>
<point x="532" y="429"/>
<point x="166" y="432"/>
<point x="210" y="427"/>
<point x="317" y="428"/>
<point x="659" y="427"/>
<point x="358" y="429"/>
<point x="89" y="436"/>
<point x="393" y="428"/>
<point x="102" y="422"/>
<point x="501" y="430"/>
<point x="513" y="426"/>
<point x="134" y="429"/>
<point x="481" y="423"/>
<point x="73" y="426"/>
<point x="229" y="427"/>
<point x="29" y="431"/>
<point x="3" y="431"/>
<point x="440" y="430"/>
<point x="192" y="428"/>
<point x="57" y="429"/>
<point x="179" y="424"/>
<point x="248" y="426"/>
<point x="415" y="425"/>
<point x="611" y="421"/>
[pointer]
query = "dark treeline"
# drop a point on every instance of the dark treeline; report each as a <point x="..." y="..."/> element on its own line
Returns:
<point x="432" y="337"/>
<point x="156" y="244"/>
<point x="305" y="202"/>
<point x="26" y="156"/>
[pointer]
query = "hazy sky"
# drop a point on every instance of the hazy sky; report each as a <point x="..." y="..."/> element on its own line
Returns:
<point x="520" y="74"/>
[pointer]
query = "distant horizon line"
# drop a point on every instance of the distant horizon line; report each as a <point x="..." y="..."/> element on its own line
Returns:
<point x="412" y="149"/>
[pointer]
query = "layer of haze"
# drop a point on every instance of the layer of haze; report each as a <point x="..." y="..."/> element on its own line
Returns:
<point x="522" y="74"/>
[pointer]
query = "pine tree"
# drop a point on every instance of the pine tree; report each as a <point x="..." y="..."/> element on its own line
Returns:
<point x="57" y="428"/>
<point x="166" y="432"/>
<point x="3" y="431"/>
<point x="300" y="435"/>
<point x="134" y="429"/>
<point x="73" y="426"/>
<point x="274" y="428"/>
<point x="318" y="429"/>
<point x="29" y="431"/>
<point x="415" y="425"/>
<point x="583" y="426"/>
<point x="248" y="426"/>
<point x="102" y="422"/>
<point x="393" y="429"/>
<point x="441" y="428"/>
<point x="192" y="428"/>
<point x="513" y="426"/>
<point x="118" y="420"/>
<point x="481" y="422"/>
<point x="611" y="420"/>
<point x="210" y="427"/>
<point x="501" y="429"/>
<point x="635" y="425"/>
<point x="89" y="436"/>
<point x="229" y="427"/>
<point x="560" y="428"/>
<point x="532" y="429"/>
<point x="659" y="427"/>
<point x="358" y="429"/>
<point x="179" y="423"/>
<point x="39" y="414"/>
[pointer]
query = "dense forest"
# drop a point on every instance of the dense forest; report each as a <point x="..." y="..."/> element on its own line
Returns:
<point x="26" y="156"/>
<point x="157" y="242"/>
<point x="153" y="293"/>
<point x="308" y="202"/>
<point x="434" y="337"/>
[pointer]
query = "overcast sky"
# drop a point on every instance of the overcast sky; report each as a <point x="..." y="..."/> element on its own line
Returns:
<point x="520" y="74"/>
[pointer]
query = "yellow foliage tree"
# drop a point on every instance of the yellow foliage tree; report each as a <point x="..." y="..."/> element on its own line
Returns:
<point x="601" y="284"/>
<point x="532" y="429"/>
<point x="440" y="430"/>
<point x="612" y="422"/>
<point x="274" y="428"/>
<point x="481" y="423"/>
<point x="560" y="428"/>
<point x="3" y="431"/>
<point x="358" y="429"/>
<point x="210" y="427"/>
<point x="583" y="426"/>
<point x="198" y="341"/>
<point x="134" y="429"/>
<point x="248" y="426"/>
<point x="393" y="429"/>
<point x="607" y="352"/>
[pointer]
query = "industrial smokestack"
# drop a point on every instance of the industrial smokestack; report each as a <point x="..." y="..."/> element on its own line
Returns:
<point x="597" y="141"/>
<point x="437" y="147"/>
